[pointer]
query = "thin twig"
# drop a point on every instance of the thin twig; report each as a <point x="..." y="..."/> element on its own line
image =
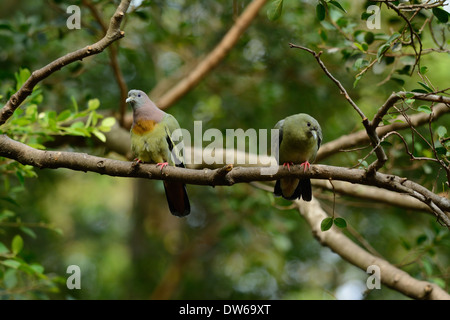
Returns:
<point x="113" y="33"/>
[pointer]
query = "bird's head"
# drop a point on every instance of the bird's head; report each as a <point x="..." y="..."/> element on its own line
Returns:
<point x="137" y="98"/>
<point x="312" y="127"/>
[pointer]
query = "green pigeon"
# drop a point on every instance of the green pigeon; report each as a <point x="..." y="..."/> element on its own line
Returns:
<point x="299" y="139"/>
<point x="151" y="142"/>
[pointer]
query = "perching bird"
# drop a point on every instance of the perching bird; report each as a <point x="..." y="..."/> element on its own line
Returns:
<point x="151" y="142"/>
<point x="300" y="136"/>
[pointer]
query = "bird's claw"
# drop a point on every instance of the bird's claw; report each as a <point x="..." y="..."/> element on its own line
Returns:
<point x="288" y="164"/>
<point x="162" y="164"/>
<point x="306" y="165"/>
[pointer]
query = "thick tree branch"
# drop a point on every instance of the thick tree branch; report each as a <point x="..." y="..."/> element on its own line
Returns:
<point x="390" y="275"/>
<point x="214" y="57"/>
<point x="113" y="33"/>
<point x="224" y="176"/>
<point x="373" y="195"/>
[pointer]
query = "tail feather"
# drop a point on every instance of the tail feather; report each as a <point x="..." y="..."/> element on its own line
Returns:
<point x="305" y="186"/>
<point x="177" y="198"/>
<point x="302" y="190"/>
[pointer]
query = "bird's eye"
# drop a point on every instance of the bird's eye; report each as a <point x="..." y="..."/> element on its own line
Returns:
<point x="308" y="124"/>
<point x="139" y="95"/>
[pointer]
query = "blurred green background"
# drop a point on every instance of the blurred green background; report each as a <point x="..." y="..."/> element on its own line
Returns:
<point x="237" y="243"/>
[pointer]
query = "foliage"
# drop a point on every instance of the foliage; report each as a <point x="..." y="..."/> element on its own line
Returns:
<point x="20" y="279"/>
<point x="239" y="242"/>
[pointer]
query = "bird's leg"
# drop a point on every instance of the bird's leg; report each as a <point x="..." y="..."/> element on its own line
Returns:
<point x="305" y="165"/>
<point x="288" y="164"/>
<point x="162" y="164"/>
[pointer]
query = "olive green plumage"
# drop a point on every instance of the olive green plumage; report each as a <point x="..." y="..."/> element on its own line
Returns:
<point x="299" y="140"/>
<point x="151" y="142"/>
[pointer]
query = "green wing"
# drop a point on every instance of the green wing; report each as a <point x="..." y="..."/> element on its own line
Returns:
<point x="176" y="147"/>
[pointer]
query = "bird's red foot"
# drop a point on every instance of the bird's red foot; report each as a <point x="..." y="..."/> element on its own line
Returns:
<point x="137" y="161"/>
<point x="162" y="164"/>
<point x="288" y="164"/>
<point x="305" y="165"/>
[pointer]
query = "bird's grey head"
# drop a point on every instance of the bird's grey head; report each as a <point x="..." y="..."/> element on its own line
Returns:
<point x="137" y="98"/>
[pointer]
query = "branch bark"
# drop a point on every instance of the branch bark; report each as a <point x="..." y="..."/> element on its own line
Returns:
<point x="114" y="62"/>
<point x="391" y="276"/>
<point x="370" y="129"/>
<point x="214" y="57"/>
<point x="224" y="176"/>
<point x="373" y="194"/>
<point x="113" y="33"/>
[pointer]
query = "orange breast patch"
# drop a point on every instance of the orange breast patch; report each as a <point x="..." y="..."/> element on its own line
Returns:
<point x="143" y="127"/>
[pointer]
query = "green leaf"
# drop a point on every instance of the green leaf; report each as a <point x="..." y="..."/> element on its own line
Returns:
<point x="365" y="15"/>
<point x="17" y="244"/>
<point x="355" y="83"/>
<point x="99" y="135"/>
<point x="440" y="282"/>
<point x="337" y="5"/>
<point x="424" y="109"/>
<point x="3" y="248"/>
<point x="393" y="37"/>
<point x="363" y="163"/>
<point x="441" y="14"/>
<point x="93" y="104"/>
<point x="20" y="177"/>
<point x="37" y="268"/>
<point x="28" y="231"/>
<point x="360" y="63"/>
<point x="77" y="124"/>
<point x="108" y="122"/>
<point x="5" y="214"/>
<point x="326" y="224"/>
<point x="320" y="12"/>
<point x="74" y="103"/>
<point x="33" y="269"/>
<point x="21" y="77"/>
<point x="421" y="239"/>
<point x="427" y="266"/>
<point x="400" y="81"/>
<point x="369" y="37"/>
<point x="423" y="70"/>
<point x="323" y="35"/>
<point x="10" y="278"/>
<point x="427" y="88"/>
<point x="419" y="91"/>
<point x="381" y="50"/>
<point x="64" y="115"/>
<point x="340" y="222"/>
<point x="274" y="10"/>
<point x="11" y="263"/>
<point x="361" y="47"/>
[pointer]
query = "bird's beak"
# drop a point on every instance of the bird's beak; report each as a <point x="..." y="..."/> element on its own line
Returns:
<point x="129" y="99"/>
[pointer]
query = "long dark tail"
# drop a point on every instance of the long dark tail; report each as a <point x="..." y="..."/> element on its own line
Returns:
<point x="177" y="198"/>
<point x="303" y="190"/>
